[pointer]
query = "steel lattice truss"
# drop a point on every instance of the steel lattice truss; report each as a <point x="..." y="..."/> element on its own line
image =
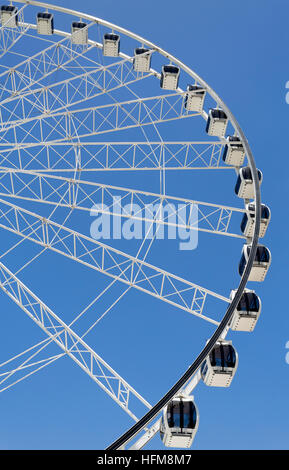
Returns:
<point x="114" y="263"/>
<point x="87" y="122"/>
<point x="65" y="112"/>
<point x="37" y="102"/>
<point x="83" y="195"/>
<point x="68" y="341"/>
<point x="113" y="156"/>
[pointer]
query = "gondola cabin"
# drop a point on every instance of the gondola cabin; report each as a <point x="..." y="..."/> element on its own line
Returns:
<point x="195" y="97"/>
<point x="170" y="77"/>
<point x="111" y="45"/>
<point x="179" y="423"/>
<point x="79" y="33"/>
<point x="220" y="366"/>
<point x="244" y="186"/>
<point x="9" y="16"/>
<point x="247" y="312"/>
<point x="217" y="123"/>
<point x="261" y="262"/>
<point x="234" y="153"/>
<point x="248" y="220"/>
<point x="45" y="23"/>
<point x="142" y="60"/>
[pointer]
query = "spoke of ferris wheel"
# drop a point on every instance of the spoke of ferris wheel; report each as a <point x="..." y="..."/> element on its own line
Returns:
<point x="10" y="36"/>
<point x="97" y="120"/>
<point x="116" y="387"/>
<point x="41" y="65"/>
<point x="45" y="343"/>
<point x="113" y="156"/>
<point x="119" y="201"/>
<point x="112" y="262"/>
<point x="72" y="91"/>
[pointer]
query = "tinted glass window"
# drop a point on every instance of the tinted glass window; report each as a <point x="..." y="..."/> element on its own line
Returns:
<point x="171" y="69"/>
<point x="246" y="172"/>
<point x="244" y="222"/>
<point x="262" y="254"/>
<point x="265" y="212"/>
<point x="173" y="411"/>
<point x="229" y="356"/>
<point x="242" y="264"/>
<point x="190" y="415"/>
<point x="181" y="414"/>
<point x="238" y="183"/>
<point x="249" y="302"/>
<point x="223" y="356"/>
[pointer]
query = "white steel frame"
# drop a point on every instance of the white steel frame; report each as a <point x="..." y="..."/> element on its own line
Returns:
<point x="24" y="105"/>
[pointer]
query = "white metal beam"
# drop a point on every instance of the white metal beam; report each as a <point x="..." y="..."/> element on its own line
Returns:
<point x="84" y="356"/>
<point x="112" y="262"/>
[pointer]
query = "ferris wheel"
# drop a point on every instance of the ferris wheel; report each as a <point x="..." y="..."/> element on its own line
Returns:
<point x="97" y="121"/>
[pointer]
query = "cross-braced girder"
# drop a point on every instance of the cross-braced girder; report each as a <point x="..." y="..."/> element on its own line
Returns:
<point x="97" y="120"/>
<point x="72" y="345"/>
<point x="34" y="69"/>
<point x="61" y="95"/>
<point x="116" y="201"/>
<point x="113" y="156"/>
<point x="110" y="261"/>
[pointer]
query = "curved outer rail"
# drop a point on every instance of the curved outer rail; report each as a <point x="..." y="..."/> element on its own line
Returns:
<point x="148" y="417"/>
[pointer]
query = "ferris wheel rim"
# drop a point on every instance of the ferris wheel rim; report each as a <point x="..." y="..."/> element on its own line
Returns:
<point x="152" y="413"/>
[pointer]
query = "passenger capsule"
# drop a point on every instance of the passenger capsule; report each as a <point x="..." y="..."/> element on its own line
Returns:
<point x="244" y="186"/>
<point x="9" y="16"/>
<point x="195" y="97"/>
<point x="111" y="45"/>
<point x="247" y="312"/>
<point x="234" y="153"/>
<point x="79" y="33"/>
<point x="45" y="23"/>
<point x="217" y="123"/>
<point x="261" y="262"/>
<point x="179" y="422"/>
<point x="248" y="220"/>
<point x="220" y="366"/>
<point x="170" y="77"/>
<point x="142" y="59"/>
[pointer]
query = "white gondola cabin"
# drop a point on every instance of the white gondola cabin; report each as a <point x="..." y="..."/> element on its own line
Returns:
<point x="234" y="153"/>
<point x="244" y="186"/>
<point x="142" y="60"/>
<point x="217" y="123"/>
<point x="195" y="97"/>
<point x="9" y="16"/>
<point x="220" y="366"/>
<point x="247" y="312"/>
<point x="248" y="220"/>
<point x="261" y="262"/>
<point x="111" y="45"/>
<point x="79" y="33"/>
<point x="170" y="77"/>
<point x="179" y="422"/>
<point x="45" y="23"/>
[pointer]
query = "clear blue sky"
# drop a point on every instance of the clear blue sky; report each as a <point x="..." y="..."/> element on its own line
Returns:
<point x="240" y="49"/>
